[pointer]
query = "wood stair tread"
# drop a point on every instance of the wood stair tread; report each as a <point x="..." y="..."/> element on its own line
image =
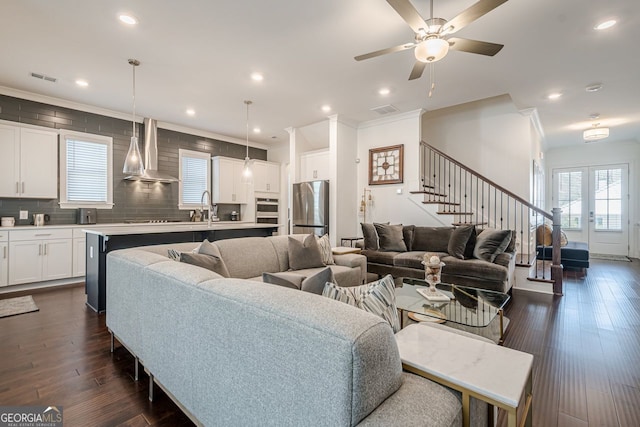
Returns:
<point x="454" y="213"/>
<point x="431" y="193"/>
<point x="457" y="224"/>
<point x="436" y="202"/>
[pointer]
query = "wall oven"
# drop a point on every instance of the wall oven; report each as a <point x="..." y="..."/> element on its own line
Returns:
<point x="266" y="211"/>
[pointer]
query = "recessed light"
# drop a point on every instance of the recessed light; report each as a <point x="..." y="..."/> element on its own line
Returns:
<point x="606" y="24"/>
<point x="384" y="91"/>
<point x="554" y="96"/>
<point x="594" y="87"/>
<point x="128" y="19"/>
<point x="257" y="77"/>
<point x="82" y="83"/>
<point x="326" y="108"/>
<point x="190" y="112"/>
<point x="256" y="130"/>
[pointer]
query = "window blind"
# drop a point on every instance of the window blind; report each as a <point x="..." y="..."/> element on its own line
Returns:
<point x="87" y="175"/>
<point x="194" y="179"/>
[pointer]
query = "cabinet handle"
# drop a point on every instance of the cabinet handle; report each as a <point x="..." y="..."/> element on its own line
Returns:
<point x="268" y="186"/>
<point x="39" y="249"/>
<point x="45" y="249"/>
<point x="43" y="234"/>
<point x="22" y="187"/>
<point x="233" y="197"/>
<point x="315" y="174"/>
<point x="5" y="252"/>
<point x="17" y="187"/>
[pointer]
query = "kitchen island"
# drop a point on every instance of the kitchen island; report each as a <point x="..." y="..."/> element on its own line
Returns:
<point x="104" y="239"/>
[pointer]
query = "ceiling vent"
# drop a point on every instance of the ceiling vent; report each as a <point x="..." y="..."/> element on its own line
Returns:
<point x="385" y="109"/>
<point x="44" y="77"/>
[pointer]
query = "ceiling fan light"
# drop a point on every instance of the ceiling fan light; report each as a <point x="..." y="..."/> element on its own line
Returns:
<point x="431" y="50"/>
<point x="595" y="134"/>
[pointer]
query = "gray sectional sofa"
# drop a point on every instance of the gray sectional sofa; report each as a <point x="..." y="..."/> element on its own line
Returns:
<point x="465" y="263"/>
<point x="249" y="257"/>
<point x="239" y="352"/>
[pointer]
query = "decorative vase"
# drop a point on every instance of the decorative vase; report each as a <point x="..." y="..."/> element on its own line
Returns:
<point x="432" y="271"/>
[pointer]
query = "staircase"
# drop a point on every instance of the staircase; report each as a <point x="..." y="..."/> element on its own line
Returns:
<point x="470" y="198"/>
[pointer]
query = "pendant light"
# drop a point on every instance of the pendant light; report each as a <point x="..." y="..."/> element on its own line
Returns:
<point x="247" y="173"/>
<point x="133" y="162"/>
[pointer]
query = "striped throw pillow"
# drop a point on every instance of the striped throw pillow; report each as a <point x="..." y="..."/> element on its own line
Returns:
<point x="325" y="249"/>
<point x="377" y="297"/>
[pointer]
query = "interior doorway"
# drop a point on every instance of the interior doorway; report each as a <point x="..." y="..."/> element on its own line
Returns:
<point x="595" y="206"/>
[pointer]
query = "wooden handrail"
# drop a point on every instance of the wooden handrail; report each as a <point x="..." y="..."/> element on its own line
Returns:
<point x="490" y="182"/>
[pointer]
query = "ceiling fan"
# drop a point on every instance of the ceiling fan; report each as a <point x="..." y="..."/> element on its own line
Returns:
<point x="433" y="36"/>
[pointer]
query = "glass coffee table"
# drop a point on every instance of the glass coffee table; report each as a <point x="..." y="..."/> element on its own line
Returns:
<point x="468" y="306"/>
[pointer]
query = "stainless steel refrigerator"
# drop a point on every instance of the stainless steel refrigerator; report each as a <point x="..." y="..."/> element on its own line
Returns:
<point x="311" y="207"/>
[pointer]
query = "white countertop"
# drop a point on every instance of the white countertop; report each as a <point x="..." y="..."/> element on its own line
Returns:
<point x="143" y="228"/>
<point x="493" y="371"/>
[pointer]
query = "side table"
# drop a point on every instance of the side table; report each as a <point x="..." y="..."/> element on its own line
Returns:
<point x="497" y="375"/>
<point x="350" y="240"/>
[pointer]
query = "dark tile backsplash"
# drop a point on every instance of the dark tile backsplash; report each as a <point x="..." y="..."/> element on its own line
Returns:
<point x="133" y="200"/>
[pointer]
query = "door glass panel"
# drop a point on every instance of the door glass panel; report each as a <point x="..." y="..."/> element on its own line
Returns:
<point x="570" y="199"/>
<point x="608" y="199"/>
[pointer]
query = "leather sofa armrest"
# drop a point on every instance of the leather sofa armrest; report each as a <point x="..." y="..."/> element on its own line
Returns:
<point x="353" y="261"/>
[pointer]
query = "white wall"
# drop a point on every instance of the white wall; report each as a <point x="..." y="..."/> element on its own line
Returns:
<point x="602" y="153"/>
<point x="388" y="205"/>
<point x="342" y="182"/>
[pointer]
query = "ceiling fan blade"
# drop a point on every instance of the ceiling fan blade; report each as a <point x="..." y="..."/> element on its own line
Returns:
<point x="418" y="69"/>
<point x="409" y="14"/>
<point x="474" y="46"/>
<point x="384" y="51"/>
<point x="470" y="14"/>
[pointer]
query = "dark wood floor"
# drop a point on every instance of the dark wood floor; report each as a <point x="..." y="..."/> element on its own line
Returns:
<point x="586" y="347"/>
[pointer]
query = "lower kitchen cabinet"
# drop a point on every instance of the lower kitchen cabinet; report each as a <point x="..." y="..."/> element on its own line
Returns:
<point x="36" y="256"/>
<point x="4" y="259"/>
<point x="79" y="257"/>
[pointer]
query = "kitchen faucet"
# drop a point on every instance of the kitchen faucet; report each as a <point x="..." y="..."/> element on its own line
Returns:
<point x="207" y="193"/>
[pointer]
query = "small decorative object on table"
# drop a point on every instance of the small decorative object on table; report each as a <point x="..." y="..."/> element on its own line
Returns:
<point x="432" y="274"/>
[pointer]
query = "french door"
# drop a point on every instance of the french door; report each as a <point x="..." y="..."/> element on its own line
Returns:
<point x="595" y="206"/>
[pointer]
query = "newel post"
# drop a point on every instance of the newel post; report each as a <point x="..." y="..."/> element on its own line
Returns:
<point x="556" y="266"/>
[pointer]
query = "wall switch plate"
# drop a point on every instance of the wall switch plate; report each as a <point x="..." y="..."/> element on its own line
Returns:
<point x="24" y="214"/>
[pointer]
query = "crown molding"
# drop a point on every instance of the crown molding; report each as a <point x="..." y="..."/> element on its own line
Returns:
<point x="415" y="114"/>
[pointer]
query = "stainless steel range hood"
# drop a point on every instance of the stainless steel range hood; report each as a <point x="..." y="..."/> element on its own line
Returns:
<point x="151" y="172"/>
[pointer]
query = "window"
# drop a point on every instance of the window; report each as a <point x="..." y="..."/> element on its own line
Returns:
<point x="570" y="199"/>
<point x="195" y="176"/>
<point x="608" y="199"/>
<point x="86" y="170"/>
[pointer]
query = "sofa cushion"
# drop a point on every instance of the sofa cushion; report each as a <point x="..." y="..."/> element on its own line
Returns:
<point x="315" y="283"/>
<point x="305" y="254"/>
<point x="288" y="279"/>
<point x="207" y="248"/>
<point x="491" y="243"/>
<point x="474" y="268"/>
<point x="458" y="240"/>
<point x="345" y="276"/>
<point x="390" y="238"/>
<point x="407" y="235"/>
<point x="379" y="257"/>
<point x="370" y="236"/>
<point x="325" y="249"/>
<point x="431" y="239"/>
<point x="414" y="259"/>
<point x="209" y="262"/>
<point x="258" y="256"/>
<point x="376" y="297"/>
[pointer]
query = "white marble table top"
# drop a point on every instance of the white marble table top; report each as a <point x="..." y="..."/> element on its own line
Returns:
<point x="493" y="371"/>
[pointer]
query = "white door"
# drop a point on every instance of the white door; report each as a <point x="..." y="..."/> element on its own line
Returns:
<point x="595" y="206"/>
<point x="9" y="161"/>
<point x="25" y="262"/>
<point x="79" y="257"/>
<point x="609" y="209"/>
<point x="57" y="259"/>
<point x="38" y="164"/>
<point x="4" y="264"/>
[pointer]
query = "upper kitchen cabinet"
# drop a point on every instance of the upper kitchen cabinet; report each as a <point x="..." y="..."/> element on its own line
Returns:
<point x="314" y="165"/>
<point x="29" y="162"/>
<point x="266" y="176"/>
<point x="227" y="184"/>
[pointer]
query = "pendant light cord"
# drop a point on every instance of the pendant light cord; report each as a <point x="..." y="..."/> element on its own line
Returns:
<point x="247" y="103"/>
<point x="133" y="122"/>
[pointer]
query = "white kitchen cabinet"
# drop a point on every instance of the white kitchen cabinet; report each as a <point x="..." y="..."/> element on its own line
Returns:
<point x="227" y="184"/>
<point x="79" y="256"/>
<point x="29" y="162"/>
<point x="4" y="259"/>
<point x="314" y="166"/>
<point x="266" y="176"/>
<point x="39" y="255"/>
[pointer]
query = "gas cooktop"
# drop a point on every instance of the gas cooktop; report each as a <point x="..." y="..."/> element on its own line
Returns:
<point x="150" y="221"/>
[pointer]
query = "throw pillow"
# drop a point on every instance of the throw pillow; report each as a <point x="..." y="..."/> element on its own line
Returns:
<point x="407" y="235"/>
<point x="304" y="254"/>
<point x="315" y="284"/>
<point x="173" y="254"/>
<point x="325" y="249"/>
<point x="431" y="239"/>
<point x="490" y="243"/>
<point x="209" y="262"/>
<point x="458" y="240"/>
<point x="377" y="297"/>
<point x="207" y="248"/>
<point x="390" y="237"/>
<point x="370" y="237"/>
<point x="471" y="244"/>
<point x="287" y="279"/>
